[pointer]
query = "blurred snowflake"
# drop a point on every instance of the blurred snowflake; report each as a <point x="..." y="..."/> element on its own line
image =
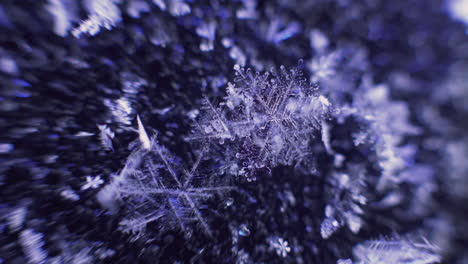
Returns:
<point x="279" y="245"/>
<point x="154" y="185"/>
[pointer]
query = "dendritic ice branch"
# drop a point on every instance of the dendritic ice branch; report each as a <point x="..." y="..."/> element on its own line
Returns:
<point x="345" y="201"/>
<point x="268" y="119"/>
<point x="103" y="14"/>
<point x="155" y="187"/>
<point x="397" y="250"/>
<point x="388" y="124"/>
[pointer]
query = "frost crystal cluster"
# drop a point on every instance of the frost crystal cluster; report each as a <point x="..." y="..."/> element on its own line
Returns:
<point x="233" y="131"/>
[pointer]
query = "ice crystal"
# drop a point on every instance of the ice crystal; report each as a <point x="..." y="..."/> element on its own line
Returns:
<point x="121" y="110"/>
<point x="248" y="11"/>
<point x="328" y="227"/>
<point x="62" y="21"/>
<point x="346" y="200"/>
<point x="136" y="7"/>
<point x="143" y="136"/>
<point x="155" y="186"/>
<point x="207" y="31"/>
<point x="318" y="41"/>
<point x="92" y="183"/>
<point x="178" y="8"/>
<point x="160" y="3"/>
<point x="372" y="157"/>
<point x="280" y="246"/>
<point x="388" y="124"/>
<point x="270" y="117"/>
<point x="243" y="257"/>
<point x="16" y="218"/>
<point x="70" y="195"/>
<point x="32" y="244"/>
<point x="106" y="136"/>
<point x="397" y="250"/>
<point x="279" y="30"/>
<point x="103" y="14"/>
<point x="323" y="66"/>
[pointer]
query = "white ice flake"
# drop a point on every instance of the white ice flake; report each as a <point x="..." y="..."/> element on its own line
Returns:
<point x="84" y="134"/>
<point x="318" y="41"/>
<point x="106" y="135"/>
<point x="62" y="21"/>
<point x="280" y="246"/>
<point x="143" y="136"/>
<point x="397" y="250"/>
<point x="248" y="12"/>
<point x="16" y="218"/>
<point x="323" y="67"/>
<point x="92" y="182"/>
<point x="328" y="227"/>
<point x="160" y="4"/>
<point x="70" y="195"/>
<point x="103" y="14"/>
<point x="32" y="244"/>
<point x="178" y="8"/>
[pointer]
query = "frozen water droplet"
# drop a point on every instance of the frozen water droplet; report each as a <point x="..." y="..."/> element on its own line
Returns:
<point x="244" y="231"/>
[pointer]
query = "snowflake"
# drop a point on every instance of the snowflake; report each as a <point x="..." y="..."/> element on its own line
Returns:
<point x="248" y="12"/>
<point x="121" y="110"/>
<point x="70" y="195"/>
<point x="243" y="257"/>
<point x="16" y="218"/>
<point x="92" y="182"/>
<point x="324" y="67"/>
<point x="106" y="135"/>
<point x="269" y="119"/>
<point x="178" y="8"/>
<point x="279" y="30"/>
<point x="280" y="246"/>
<point x="345" y="199"/>
<point x="61" y="15"/>
<point x="32" y="244"/>
<point x="397" y="250"/>
<point x="208" y="32"/>
<point x="103" y="14"/>
<point x="155" y="186"/>
<point x="388" y="123"/>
